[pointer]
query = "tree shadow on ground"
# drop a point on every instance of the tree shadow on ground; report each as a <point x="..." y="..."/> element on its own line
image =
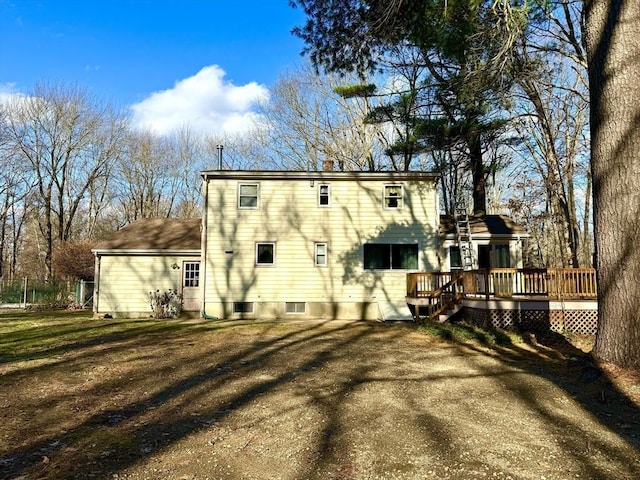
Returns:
<point x="311" y="400"/>
<point x="551" y="356"/>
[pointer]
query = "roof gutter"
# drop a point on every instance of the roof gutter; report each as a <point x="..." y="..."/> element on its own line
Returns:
<point x="147" y="251"/>
<point x="320" y="176"/>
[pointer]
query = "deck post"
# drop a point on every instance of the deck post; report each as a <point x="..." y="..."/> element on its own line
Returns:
<point x="486" y="284"/>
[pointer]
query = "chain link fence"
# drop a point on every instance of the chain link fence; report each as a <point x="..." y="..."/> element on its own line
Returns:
<point x="24" y="294"/>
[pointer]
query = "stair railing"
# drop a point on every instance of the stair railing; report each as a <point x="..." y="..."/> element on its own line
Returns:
<point x="443" y="298"/>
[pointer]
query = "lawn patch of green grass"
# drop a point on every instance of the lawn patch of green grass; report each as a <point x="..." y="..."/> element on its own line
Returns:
<point x="42" y="334"/>
<point x="463" y="332"/>
<point x="47" y="334"/>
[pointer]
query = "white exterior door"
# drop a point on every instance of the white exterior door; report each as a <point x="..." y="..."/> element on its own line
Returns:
<point x="191" y="286"/>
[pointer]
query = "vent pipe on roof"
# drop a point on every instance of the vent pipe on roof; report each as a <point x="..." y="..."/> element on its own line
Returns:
<point x="219" y="148"/>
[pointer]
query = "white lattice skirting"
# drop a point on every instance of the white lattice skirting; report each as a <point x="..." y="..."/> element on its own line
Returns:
<point x="534" y="316"/>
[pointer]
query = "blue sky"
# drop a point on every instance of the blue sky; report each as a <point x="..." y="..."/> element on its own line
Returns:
<point x="193" y="59"/>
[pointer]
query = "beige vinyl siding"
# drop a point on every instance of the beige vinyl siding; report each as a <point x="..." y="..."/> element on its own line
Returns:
<point x="126" y="280"/>
<point x="289" y="216"/>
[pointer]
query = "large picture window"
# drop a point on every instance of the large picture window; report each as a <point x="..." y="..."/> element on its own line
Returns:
<point x="390" y="256"/>
<point x="265" y="253"/>
<point x="494" y="256"/>
<point x="248" y="195"/>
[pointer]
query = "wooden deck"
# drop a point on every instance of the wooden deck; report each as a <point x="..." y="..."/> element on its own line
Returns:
<point x="433" y="293"/>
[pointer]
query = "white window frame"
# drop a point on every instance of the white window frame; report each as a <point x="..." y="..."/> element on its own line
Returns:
<point x="387" y="197"/>
<point x="190" y="276"/>
<point x="264" y="264"/>
<point x="452" y="249"/>
<point x="295" y="308"/>
<point x="317" y="254"/>
<point x="320" y="195"/>
<point x="389" y="250"/>
<point x="241" y="196"/>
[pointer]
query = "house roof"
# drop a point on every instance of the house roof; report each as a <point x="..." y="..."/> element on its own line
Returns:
<point x="156" y="234"/>
<point x="495" y="225"/>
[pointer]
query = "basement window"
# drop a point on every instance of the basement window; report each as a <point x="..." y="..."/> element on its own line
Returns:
<point x="295" y="307"/>
<point x="242" y="307"/>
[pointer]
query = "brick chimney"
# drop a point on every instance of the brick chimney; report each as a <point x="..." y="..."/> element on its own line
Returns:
<point x="327" y="165"/>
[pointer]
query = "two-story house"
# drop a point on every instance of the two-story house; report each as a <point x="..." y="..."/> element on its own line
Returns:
<point x="316" y="244"/>
<point x="297" y="244"/>
<point x="280" y="244"/>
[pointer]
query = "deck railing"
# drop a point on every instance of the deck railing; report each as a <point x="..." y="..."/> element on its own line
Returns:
<point x="551" y="283"/>
<point x="442" y="299"/>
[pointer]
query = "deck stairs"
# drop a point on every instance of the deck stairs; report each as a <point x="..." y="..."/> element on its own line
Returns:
<point x="455" y="308"/>
<point x="463" y="237"/>
<point x="393" y="312"/>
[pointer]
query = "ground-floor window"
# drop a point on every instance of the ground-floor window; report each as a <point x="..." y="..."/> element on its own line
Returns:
<point x="390" y="256"/>
<point x="455" y="258"/>
<point x="494" y="256"/>
<point x="265" y="253"/>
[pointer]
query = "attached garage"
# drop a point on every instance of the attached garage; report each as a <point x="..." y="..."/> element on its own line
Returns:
<point x="154" y="254"/>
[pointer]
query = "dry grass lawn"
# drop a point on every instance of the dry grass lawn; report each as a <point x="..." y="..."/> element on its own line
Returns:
<point x="104" y="399"/>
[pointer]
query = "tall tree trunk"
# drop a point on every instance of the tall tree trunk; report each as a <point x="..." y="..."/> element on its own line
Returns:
<point x="477" y="173"/>
<point x="613" y="29"/>
<point x="587" y="244"/>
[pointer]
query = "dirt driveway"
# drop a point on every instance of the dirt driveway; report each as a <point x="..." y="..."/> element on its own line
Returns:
<point x="310" y="400"/>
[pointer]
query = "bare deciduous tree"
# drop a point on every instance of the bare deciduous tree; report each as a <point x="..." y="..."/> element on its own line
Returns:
<point x="306" y="122"/>
<point x="553" y="124"/>
<point x="146" y="184"/>
<point x="68" y="139"/>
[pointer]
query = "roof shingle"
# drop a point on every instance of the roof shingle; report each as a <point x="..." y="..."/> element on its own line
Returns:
<point x="486" y="224"/>
<point x="156" y="234"/>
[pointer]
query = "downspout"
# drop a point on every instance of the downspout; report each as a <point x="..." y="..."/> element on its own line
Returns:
<point x="203" y="244"/>
<point x="96" y="284"/>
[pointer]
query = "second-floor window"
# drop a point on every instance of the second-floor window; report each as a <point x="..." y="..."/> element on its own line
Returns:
<point x="248" y="195"/>
<point x="393" y="196"/>
<point x="321" y="254"/>
<point x="323" y="195"/>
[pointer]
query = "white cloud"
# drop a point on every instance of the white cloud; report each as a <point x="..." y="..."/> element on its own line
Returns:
<point x="8" y="91"/>
<point x="205" y="102"/>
